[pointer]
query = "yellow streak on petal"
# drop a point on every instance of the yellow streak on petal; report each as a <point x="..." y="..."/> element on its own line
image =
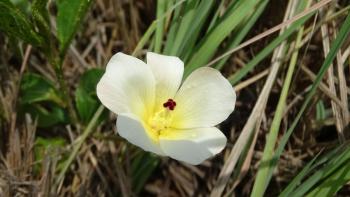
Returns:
<point x="154" y="136"/>
<point x="172" y="134"/>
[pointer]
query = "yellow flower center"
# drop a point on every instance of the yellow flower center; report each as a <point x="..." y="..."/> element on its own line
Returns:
<point x="160" y="122"/>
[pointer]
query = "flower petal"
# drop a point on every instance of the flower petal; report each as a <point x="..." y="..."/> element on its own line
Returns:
<point x="130" y="128"/>
<point x="168" y="71"/>
<point x="192" y="146"/>
<point x="205" y="99"/>
<point x="128" y="86"/>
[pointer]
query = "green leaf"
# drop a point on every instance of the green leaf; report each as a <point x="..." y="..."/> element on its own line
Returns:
<point x="40" y="98"/>
<point x="41" y="18"/>
<point x="23" y="5"/>
<point x="44" y="146"/>
<point x="69" y="17"/>
<point x="14" y="23"/>
<point x="35" y="88"/>
<point x="47" y="115"/>
<point x="85" y="95"/>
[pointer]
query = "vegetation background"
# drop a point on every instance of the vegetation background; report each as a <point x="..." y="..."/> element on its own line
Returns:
<point x="288" y="61"/>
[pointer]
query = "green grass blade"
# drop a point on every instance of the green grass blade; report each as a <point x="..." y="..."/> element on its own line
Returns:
<point x="216" y="16"/>
<point x="174" y="27"/>
<point x="208" y="47"/>
<point x="333" y="183"/>
<point x="231" y="8"/>
<point x="145" y="38"/>
<point x="236" y="39"/>
<point x="297" y="180"/>
<point x="330" y="168"/>
<point x="184" y="25"/>
<point x="196" y="25"/>
<point x="160" y="25"/>
<point x="141" y="169"/>
<point x="320" y="111"/>
<point x="306" y="171"/>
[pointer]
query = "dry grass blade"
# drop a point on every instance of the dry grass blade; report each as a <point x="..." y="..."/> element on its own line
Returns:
<point x="345" y="55"/>
<point x="323" y="87"/>
<point x="46" y="179"/>
<point x="251" y="80"/>
<point x="342" y="85"/>
<point x="122" y="178"/>
<point x="74" y="52"/>
<point x="16" y="168"/>
<point x="23" y="67"/>
<point x="331" y="83"/>
<point x="183" y="180"/>
<point x="247" y="161"/>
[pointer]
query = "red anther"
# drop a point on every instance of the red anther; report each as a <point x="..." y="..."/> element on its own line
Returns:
<point x="170" y="104"/>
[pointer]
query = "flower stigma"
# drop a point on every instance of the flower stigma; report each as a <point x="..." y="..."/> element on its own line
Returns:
<point x="170" y="104"/>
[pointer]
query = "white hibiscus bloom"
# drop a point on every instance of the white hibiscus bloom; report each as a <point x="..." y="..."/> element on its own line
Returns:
<point x="158" y="115"/>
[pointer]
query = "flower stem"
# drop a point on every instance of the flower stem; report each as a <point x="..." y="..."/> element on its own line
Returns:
<point x="78" y="143"/>
<point x="57" y="64"/>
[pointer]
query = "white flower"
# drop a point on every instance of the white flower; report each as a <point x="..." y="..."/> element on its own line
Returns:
<point x="158" y="115"/>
